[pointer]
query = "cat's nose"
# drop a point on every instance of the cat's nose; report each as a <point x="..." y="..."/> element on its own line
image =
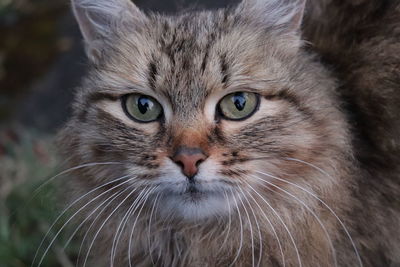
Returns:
<point x="189" y="159"/>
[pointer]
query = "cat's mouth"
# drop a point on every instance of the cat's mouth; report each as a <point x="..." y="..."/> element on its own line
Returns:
<point x="193" y="193"/>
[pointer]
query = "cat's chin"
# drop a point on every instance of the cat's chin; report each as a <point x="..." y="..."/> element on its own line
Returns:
<point x="194" y="205"/>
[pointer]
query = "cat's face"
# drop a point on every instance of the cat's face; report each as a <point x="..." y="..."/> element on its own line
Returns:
<point x="200" y="109"/>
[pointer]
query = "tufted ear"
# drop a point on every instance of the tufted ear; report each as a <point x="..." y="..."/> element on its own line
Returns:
<point x="100" y="19"/>
<point x="284" y="15"/>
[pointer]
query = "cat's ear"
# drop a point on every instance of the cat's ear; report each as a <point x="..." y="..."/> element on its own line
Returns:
<point x="284" y="15"/>
<point x="99" y="19"/>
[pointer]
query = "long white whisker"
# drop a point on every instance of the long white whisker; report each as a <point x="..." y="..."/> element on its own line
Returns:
<point x="66" y="209"/>
<point x="120" y="230"/>
<point x="313" y="166"/>
<point x="79" y="210"/>
<point x="149" y="228"/>
<point x="130" y="211"/>
<point x="229" y="222"/>
<point x="88" y="217"/>
<point x="70" y="170"/>
<point x="272" y="227"/>
<point x="148" y="193"/>
<point x="258" y="227"/>
<point x="310" y="210"/>
<point x="328" y="207"/>
<point x="283" y="223"/>
<point x="241" y="229"/>
<point x="251" y="232"/>
<point x="110" y="200"/>
<point x="102" y="225"/>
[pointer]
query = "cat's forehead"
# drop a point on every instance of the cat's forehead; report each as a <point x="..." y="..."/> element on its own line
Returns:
<point x="184" y="51"/>
<point x="185" y="59"/>
<point x="188" y="57"/>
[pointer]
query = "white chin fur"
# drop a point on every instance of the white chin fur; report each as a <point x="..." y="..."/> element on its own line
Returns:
<point x="189" y="208"/>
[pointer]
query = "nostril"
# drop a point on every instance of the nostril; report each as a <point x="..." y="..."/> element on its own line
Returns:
<point x="199" y="162"/>
<point x="180" y="164"/>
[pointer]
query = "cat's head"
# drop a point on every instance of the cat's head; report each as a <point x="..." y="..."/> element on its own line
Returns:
<point x="198" y="110"/>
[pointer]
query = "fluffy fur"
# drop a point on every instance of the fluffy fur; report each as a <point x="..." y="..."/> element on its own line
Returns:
<point x="359" y="41"/>
<point x="289" y="186"/>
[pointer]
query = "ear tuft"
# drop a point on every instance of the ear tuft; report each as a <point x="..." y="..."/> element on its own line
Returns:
<point x="100" y="19"/>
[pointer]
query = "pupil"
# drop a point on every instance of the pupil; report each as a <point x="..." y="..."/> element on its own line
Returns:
<point x="240" y="101"/>
<point x="143" y="104"/>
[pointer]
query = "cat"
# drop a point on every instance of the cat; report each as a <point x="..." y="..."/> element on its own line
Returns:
<point x="217" y="138"/>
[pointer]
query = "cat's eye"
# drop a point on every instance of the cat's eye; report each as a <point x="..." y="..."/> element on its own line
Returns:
<point x="141" y="108"/>
<point x="239" y="105"/>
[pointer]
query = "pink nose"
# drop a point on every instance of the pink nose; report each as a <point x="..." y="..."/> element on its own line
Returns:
<point x="189" y="159"/>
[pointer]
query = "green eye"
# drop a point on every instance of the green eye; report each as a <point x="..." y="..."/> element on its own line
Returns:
<point x="141" y="108"/>
<point x="238" y="106"/>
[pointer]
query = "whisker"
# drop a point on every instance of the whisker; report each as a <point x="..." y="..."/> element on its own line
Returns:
<point x="112" y="197"/>
<point x="66" y="209"/>
<point x="328" y="207"/>
<point x="241" y="229"/>
<point x="124" y="221"/>
<point x="251" y="232"/>
<point x="229" y="222"/>
<point x="120" y="229"/>
<point x="310" y="210"/>
<point x="148" y="193"/>
<point x="79" y="210"/>
<point x="105" y="221"/>
<point x="311" y="165"/>
<point x="87" y="218"/>
<point x="67" y="171"/>
<point x="258" y="227"/>
<point x="272" y="227"/>
<point x="283" y="223"/>
<point x="149" y="227"/>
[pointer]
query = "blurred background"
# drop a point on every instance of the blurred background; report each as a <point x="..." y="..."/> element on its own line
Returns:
<point x="41" y="62"/>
